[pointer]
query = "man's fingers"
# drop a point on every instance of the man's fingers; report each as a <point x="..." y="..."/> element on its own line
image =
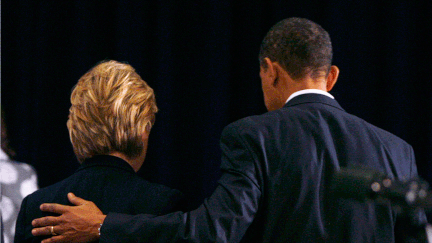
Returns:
<point x="76" y="200"/>
<point x="55" y="239"/>
<point x="44" y="231"/>
<point x="41" y="231"/>
<point x="46" y="221"/>
<point x="54" y="208"/>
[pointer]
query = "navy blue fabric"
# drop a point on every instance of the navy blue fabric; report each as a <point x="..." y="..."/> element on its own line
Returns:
<point x="274" y="187"/>
<point x="110" y="183"/>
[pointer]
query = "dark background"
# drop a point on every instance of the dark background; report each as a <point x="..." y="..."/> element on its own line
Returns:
<point x="201" y="59"/>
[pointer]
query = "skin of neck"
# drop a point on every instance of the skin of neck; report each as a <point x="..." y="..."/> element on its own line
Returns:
<point x="290" y="86"/>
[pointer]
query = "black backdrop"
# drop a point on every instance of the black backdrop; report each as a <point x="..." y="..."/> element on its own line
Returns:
<point x="201" y="59"/>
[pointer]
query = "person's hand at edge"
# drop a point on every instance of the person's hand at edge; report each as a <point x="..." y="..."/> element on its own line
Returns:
<point x="78" y="223"/>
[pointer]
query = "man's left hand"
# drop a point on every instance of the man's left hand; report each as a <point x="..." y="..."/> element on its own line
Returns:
<point x="78" y="223"/>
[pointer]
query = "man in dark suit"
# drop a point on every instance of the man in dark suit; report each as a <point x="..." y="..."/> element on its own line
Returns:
<point x="110" y="119"/>
<point x="277" y="166"/>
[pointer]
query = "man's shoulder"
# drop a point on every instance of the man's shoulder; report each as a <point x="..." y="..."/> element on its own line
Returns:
<point x="263" y="121"/>
<point x="386" y="136"/>
<point x="245" y="124"/>
<point x="295" y="118"/>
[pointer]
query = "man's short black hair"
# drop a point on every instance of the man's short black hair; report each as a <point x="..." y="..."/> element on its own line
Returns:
<point x="300" y="46"/>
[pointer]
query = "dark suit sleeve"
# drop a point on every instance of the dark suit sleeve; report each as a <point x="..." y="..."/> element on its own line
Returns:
<point x="224" y="217"/>
<point x="173" y="201"/>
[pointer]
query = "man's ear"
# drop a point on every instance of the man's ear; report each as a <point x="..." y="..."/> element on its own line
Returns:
<point x="271" y="71"/>
<point x="332" y="77"/>
<point x="275" y="71"/>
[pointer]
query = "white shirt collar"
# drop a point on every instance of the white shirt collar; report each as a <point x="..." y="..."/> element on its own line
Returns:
<point x="309" y="91"/>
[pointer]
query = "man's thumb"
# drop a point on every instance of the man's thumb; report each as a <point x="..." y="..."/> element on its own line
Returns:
<point x="77" y="201"/>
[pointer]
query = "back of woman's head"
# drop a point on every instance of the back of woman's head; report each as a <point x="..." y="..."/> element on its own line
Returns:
<point x="112" y="108"/>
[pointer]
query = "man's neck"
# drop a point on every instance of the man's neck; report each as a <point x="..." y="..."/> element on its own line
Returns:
<point x="304" y="84"/>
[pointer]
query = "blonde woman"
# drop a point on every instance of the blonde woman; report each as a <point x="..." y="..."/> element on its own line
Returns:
<point x="109" y="124"/>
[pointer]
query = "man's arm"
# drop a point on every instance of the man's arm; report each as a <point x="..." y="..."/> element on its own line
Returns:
<point x="224" y="217"/>
<point x="78" y="223"/>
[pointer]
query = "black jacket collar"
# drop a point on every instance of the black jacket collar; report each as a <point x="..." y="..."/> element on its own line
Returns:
<point x="313" y="98"/>
<point x="106" y="161"/>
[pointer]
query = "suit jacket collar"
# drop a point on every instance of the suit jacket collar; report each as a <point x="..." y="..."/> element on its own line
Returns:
<point x="313" y="98"/>
<point x="106" y="161"/>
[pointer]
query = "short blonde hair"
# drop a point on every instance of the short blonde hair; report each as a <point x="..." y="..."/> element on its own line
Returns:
<point x="112" y="108"/>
